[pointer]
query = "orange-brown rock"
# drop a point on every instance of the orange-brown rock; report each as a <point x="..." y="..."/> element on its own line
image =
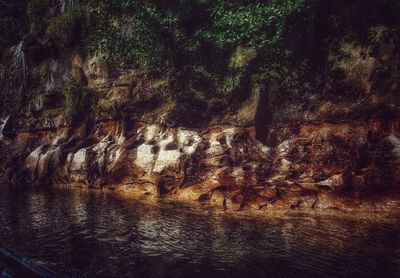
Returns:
<point x="339" y="166"/>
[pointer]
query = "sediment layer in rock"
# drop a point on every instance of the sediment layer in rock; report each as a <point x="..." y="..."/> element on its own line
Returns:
<point x="342" y="166"/>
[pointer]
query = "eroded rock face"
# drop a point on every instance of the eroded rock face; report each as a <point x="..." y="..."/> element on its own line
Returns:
<point x="3" y="122"/>
<point x="95" y="71"/>
<point x="336" y="146"/>
<point x="345" y="166"/>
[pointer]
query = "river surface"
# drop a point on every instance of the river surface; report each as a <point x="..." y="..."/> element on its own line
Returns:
<point x="104" y="234"/>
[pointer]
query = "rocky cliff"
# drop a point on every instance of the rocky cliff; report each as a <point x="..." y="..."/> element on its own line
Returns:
<point x="330" y="142"/>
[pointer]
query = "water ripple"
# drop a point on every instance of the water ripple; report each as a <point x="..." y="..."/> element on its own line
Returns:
<point x="105" y="235"/>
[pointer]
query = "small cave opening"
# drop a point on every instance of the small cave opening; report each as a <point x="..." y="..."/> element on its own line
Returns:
<point x="263" y="117"/>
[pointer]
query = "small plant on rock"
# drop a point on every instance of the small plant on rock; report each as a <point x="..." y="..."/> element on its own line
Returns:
<point x="73" y="99"/>
<point x="66" y="29"/>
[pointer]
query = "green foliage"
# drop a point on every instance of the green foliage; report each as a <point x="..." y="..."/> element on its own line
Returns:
<point x="81" y="103"/>
<point x="207" y="50"/>
<point x="161" y="32"/>
<point x="228" y="86"/>
<point x="127" y="32"/>
<point x="203" y="47"/>
<point x="90" y="102"/>
<point x="256" y="23"/>
<point x="241" y="57"/>
<point x="73" y="99"/>
<point x="66" y="29"/>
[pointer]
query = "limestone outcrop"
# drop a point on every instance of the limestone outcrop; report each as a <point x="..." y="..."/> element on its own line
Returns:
<point x="343" y="166"/>
<point x="318" y="130"/>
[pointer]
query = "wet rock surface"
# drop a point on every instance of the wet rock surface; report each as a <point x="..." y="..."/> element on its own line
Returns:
<point x="332" y="146"/>
<point x="336" y="166"/>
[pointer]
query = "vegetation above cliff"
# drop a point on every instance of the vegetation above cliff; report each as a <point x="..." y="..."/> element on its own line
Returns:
<point x="216" y="54"/>
<point x="213" y="55"/>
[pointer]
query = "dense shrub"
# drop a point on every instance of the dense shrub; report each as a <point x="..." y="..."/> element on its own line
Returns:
<point x="208" y="51"/>
<point x="256" y="23"/>
<point x="67" y="28"/>
<point x="163" y="34"/>
<point x="197" y="44"/>
<point x="192" y="42"/>
<point x="73" y="99"/>
<point x="127" y="31"/>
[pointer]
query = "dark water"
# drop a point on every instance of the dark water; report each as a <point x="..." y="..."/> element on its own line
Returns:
<point x="105" y="235"/>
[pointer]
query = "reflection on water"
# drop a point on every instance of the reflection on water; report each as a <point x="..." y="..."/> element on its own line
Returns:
<point x="106" y="235"/>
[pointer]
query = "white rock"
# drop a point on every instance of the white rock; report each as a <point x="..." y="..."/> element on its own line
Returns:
<point x="167" y="158"/>
<point x="229" y="133"/>
<point x="145" y="158"/>
<point x="32" y="160"/>
<point x="189" y="140"/>
<point x="78" y="160"/>
<point x="285" y="165"/>
<point x="396" y="144"/>
<point x="334" y="182"/>
<point x="151" y="132"/>
<point x="284" y="147"/>
<point x="263" y="148"/>
<point x="215" y="147"/>
<point x="186" y="142"/>
<point x="3" y="122"/>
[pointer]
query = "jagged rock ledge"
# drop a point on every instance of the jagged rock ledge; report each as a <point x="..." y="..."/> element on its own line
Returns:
<point x="335" y="147"/>
<point x="327" y="166"/>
